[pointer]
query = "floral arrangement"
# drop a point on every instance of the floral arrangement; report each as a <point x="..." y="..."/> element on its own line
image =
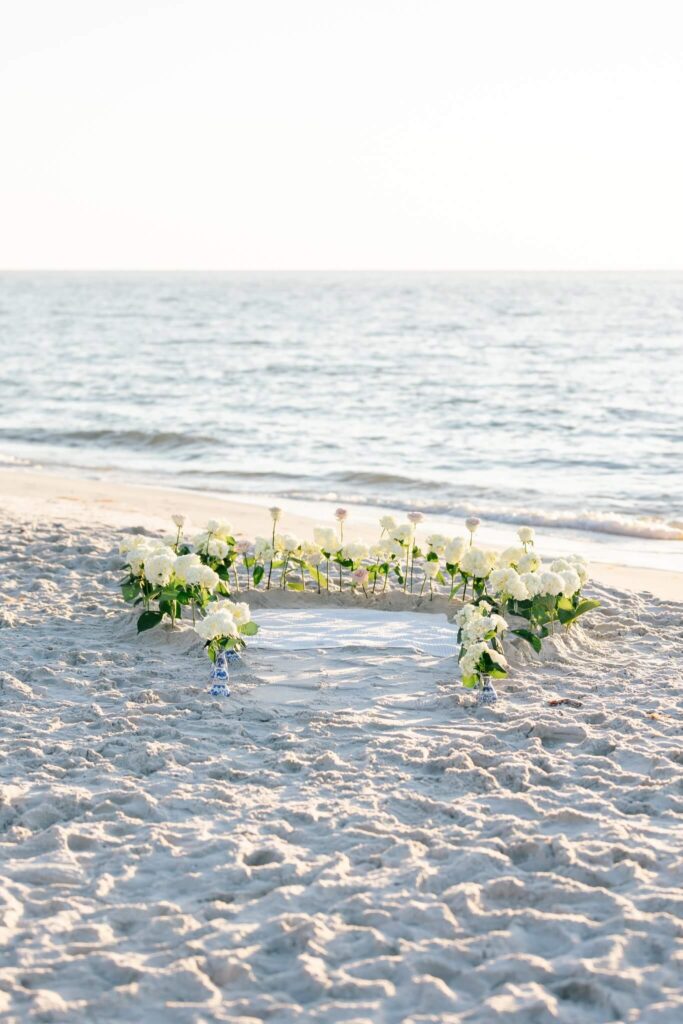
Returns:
<point x="174" y="577"/>
<point x="225" y="626"/>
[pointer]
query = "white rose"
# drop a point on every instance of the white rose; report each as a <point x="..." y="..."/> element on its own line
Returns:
<point x="387" y="523"/>
<point x="431" y="569"/>
<point x="526" y="534"/>
<point x="178" y="520"/>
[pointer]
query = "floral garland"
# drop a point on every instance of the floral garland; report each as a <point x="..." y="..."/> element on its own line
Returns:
<point x="201" y="576"/>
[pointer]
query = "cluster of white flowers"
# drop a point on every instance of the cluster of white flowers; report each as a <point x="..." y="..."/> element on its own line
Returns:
<point x="480" y="628"/>
<point x="327" y="539"/>
<point x="507" y="583"/>
<point x="223" y="621"/>
<point x="263" y="549"/>
<point x="478" y="622"/>
<point x="470" y="663"/>
<point x="354" y="552"/>
<point x="477" y="562"/>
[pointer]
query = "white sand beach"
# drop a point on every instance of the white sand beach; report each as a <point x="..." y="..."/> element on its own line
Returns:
<point x="345" y="838"/>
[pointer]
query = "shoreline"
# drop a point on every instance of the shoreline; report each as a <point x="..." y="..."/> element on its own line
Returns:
<point x="125" y="506"/>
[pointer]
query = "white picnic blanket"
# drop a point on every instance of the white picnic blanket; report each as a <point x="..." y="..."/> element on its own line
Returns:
<point x="285" y="630"/>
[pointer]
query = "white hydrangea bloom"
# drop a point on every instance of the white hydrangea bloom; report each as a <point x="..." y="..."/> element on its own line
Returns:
<point x="572" y="583"/>
<point x="580" y="567"/>
<point x="454" y="550"/>
<point x="202" y="575"/>
<point x="183" y="563"/>
<point x="263" y="549"/>
<point x="240" y="611"/>
<point x="354" y="551"/>
<point x="402" y="533"/>
<point x="159" y="567"/>
<point x="477" y="562"/>
<point x="533" y="583"/>
<point x="218" y="623"/>
<point x="438" y="543"/>
<point x="508" y="582"/>
<point x="288" y="543"/>
<point x="552" y="583"/>
<point x="326" y="538"/>
<point x="510" y="557"/>
<point x="216" y="548"/>
<point x="529" y="562"/>
<point x="559" y="565"/>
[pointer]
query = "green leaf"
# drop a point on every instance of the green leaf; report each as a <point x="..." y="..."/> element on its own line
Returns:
<point x="130" y="591"/>
<point x="148" y="620"/>
<point x="565" y="604"/>
<point x="432" y="557"/>
<point x="469" y="681"/>
<point x="295" y="586"/>
<point x="566" y="618"/>
<point x="315" y="574"/>
<point x="530" y="637"/>
<point x="258" y="574"/>
<point x="249" y="629"/>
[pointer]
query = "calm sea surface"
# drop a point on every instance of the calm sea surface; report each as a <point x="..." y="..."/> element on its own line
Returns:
<point x="552" y="399"/>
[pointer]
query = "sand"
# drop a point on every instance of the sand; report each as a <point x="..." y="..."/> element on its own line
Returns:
<point x="345" y="838"/>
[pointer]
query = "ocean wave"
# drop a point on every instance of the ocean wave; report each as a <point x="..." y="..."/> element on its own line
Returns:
<point x="154" y="439"/>
<point x="650" y="528"/>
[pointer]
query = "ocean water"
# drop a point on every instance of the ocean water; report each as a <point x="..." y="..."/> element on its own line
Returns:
<point x="555" y="400"/>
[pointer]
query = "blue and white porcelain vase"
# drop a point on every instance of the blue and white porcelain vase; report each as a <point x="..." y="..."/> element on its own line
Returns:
<point x="220" y="676"/>
<point x="486" y="693"/>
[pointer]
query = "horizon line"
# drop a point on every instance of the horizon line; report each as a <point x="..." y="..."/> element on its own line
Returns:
<point x="341" y="270"/>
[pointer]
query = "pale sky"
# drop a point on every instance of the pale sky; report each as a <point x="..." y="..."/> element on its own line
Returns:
<point x="355" y="134"/>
